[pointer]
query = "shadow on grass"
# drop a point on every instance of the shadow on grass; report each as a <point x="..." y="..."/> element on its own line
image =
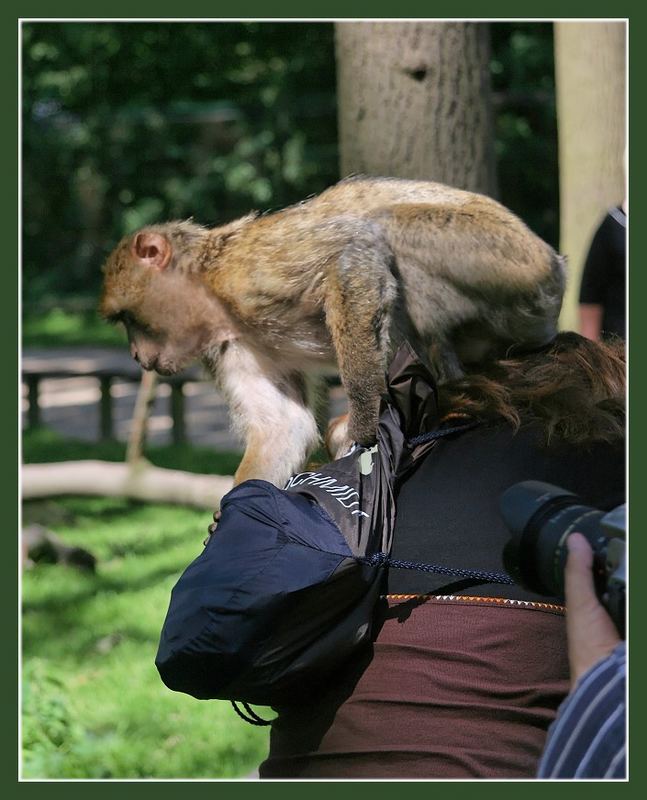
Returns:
<point x="88" y="644"/>
<point x="62" y="511"/>
<point x="98" y="584"/>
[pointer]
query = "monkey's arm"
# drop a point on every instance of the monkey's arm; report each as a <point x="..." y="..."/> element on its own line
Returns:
<point x="360" y="292"/>
<point x="269" y="409"/>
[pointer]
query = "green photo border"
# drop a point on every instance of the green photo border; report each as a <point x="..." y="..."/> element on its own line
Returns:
<point x="10" y="411"/>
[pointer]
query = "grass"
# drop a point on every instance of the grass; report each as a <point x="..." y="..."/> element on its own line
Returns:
<point x="93" y="703"/>
<point x="43" y="445"/>
<point x="58" y="327"/>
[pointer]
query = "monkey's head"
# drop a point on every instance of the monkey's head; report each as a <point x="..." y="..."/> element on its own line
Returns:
<point x="154" y="285"/>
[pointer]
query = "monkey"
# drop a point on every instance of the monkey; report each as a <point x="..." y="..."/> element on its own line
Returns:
<point x="340" y="279"/>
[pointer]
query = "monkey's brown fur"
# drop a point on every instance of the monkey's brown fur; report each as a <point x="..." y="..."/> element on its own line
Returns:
<point x="340" y="278"/>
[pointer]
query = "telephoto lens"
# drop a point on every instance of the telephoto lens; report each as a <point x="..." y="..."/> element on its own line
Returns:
<point x="540" y="517"/>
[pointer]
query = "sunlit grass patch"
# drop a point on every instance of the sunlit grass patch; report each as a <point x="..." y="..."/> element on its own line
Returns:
<point x="93" y="703"/>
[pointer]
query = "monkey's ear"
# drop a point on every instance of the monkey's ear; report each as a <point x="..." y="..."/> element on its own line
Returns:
<point x="152" y="249"/>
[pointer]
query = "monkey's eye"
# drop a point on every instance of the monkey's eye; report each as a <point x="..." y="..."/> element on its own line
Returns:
<point x="115" y="319"/>
<point x="124" y="318"/>
<point x="130" y="323"/>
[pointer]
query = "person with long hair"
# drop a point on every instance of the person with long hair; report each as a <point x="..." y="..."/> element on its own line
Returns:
<point x="464" y="676"/>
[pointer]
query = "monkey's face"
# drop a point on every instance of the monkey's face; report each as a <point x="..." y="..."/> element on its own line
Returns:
<point x="166" y="330"/>
<point x="168" y="316"/>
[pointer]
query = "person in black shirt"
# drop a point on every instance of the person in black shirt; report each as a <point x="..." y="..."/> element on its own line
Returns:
<point x="464" y="677"/>
<point x="602" y="290"/>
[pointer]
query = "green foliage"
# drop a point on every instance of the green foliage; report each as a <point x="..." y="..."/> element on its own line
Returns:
<point x="130" y="123"/>
<point x="93" y="703"/>
<point x="523" y="82"/>
<point x="61" y="327"/>
<point x="48" y="722"/>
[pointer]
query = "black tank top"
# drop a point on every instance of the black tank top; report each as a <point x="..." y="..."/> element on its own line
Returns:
<point x="448" y="510"/>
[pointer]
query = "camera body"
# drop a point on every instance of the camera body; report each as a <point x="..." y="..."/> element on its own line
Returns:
<point x="540" y="517"/>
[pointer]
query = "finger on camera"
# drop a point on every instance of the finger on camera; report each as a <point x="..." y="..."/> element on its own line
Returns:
<point x="580" y="554"/>
<point x="578" y="574"/>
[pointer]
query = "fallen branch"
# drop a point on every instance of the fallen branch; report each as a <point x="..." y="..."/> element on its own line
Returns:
<point x="141" y="482"/>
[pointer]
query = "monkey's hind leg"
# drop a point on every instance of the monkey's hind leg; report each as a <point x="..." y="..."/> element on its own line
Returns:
<point x="270" y="410"/>
<point x="359" y="296"/>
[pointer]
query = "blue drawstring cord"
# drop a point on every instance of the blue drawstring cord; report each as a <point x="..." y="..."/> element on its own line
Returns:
<point x="429" y="436"/>
<point x="382" y="559"/>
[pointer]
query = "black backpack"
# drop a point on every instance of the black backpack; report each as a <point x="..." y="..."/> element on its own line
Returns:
<point x="284" y="591"/>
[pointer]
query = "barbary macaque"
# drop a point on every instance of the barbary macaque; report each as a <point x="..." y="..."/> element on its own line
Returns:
<point x="341" y="278"/>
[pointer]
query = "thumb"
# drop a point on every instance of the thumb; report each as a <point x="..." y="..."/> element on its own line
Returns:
<point x="578" y="575"/>
<point x="591" y="632"/>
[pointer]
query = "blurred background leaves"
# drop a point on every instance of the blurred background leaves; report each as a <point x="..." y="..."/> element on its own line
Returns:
<point x="130" y="123"/>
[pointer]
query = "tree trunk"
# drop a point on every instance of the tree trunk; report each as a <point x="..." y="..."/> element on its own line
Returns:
<point x="415" y="102"/>
<point x="590" y="71"/>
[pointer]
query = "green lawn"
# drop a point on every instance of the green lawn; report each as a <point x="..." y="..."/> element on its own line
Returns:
<point x="62" y="328"/>
<point x="42" y="445"/>
<point x="93" y="703"/>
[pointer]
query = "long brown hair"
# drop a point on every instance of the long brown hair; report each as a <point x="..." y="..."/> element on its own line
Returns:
<point x="574" y="388"/>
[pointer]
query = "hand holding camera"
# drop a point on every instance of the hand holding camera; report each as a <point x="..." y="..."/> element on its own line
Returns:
<point x="591" y="632"/>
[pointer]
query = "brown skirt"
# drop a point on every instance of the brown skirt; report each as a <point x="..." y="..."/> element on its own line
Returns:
<point x="455" y="687"/>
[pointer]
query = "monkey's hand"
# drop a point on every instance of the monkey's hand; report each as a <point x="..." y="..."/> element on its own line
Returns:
<point x="212" y="528"/>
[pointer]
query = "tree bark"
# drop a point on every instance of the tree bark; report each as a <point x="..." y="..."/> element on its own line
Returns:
<point x="415" y="101"/>
<point x="103" y="478"/>
<point x="590" y="72"/>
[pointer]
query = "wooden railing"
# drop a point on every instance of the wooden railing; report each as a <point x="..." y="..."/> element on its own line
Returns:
<point x="32" y="379"/>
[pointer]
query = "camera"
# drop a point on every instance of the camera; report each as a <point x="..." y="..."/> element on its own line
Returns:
<point x="540" y="517"/>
